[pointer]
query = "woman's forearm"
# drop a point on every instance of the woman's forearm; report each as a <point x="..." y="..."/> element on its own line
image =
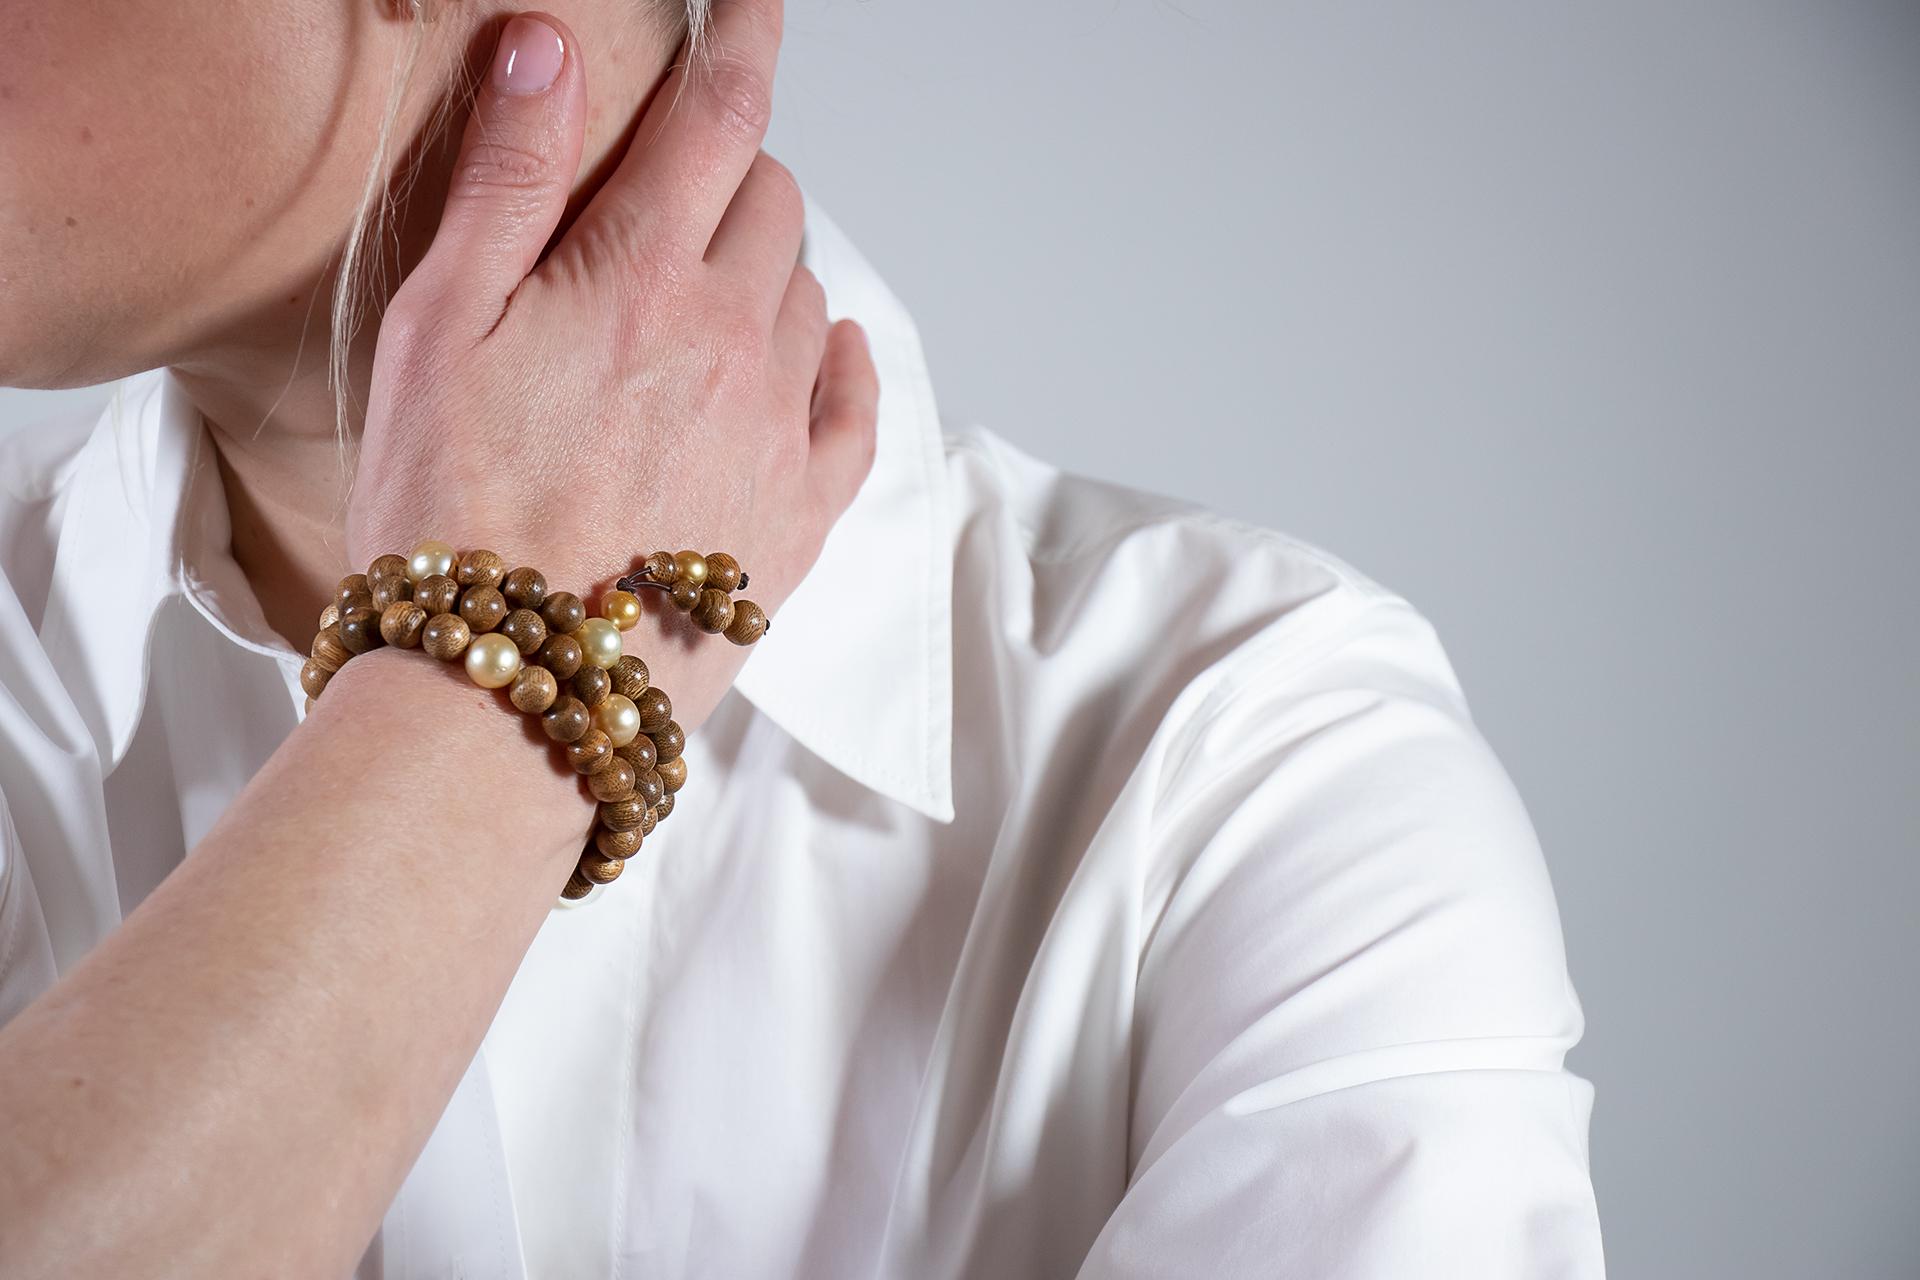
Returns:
<point x="237" y="1079"/>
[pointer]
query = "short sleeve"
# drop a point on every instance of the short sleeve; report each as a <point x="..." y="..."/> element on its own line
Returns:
<point x="1353" y="1006"/>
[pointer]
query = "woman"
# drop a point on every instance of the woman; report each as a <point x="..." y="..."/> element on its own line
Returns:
<point x="1073" y="882"/>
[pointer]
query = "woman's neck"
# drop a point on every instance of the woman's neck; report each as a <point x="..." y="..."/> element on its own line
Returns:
<point x="262" y="385"/>
<point x="282" y="465"/>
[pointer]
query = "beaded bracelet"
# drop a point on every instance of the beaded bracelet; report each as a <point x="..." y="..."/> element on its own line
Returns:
<point x="555" y="662"/>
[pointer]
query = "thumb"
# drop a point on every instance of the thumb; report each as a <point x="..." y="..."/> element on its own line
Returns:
<point x="516" y="168"/>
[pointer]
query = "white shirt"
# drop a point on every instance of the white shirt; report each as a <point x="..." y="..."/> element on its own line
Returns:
<point x="1124" y="892"/>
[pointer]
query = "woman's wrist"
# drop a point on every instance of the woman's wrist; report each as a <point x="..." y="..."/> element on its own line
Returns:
<point x="465" y="749"/>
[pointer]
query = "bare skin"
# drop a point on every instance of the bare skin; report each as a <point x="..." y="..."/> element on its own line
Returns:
<point x="236" y="1081"/>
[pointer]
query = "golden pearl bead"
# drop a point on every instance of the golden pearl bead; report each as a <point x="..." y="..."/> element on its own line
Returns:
<point x="690" y="566"/>
<point x="600" y="641"/>
<point x="621" y="608"/>
<point x="618" y="718"/>
<point x="492" y="660"/>
<point x="429" y="558"/>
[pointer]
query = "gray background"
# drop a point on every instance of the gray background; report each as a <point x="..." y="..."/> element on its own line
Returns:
<point x="1595" y="333"/>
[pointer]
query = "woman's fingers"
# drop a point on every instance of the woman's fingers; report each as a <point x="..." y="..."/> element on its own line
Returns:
<point x="699" y="136"/>
<point x="846" y="406"/>
<point x="517" y="164"/>
<point x="800" y="333"/>
<point x="758" y="241"/>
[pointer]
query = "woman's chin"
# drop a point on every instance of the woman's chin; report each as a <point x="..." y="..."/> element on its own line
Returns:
<point x="36" y="362"/>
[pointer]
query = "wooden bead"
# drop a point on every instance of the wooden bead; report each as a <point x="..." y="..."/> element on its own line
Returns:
<point x="429" y="559"/>
<point x="567" y="719"/>
<point x="328" y="651"/>
<point x="690" y="566"/>
<point x="387" y="566"/>
<point x="351" y="586"/>
<point x="591" y="685"/>
<point x="673" y="773"/>
<point x="618" y="718"/>
<point x="599" y="641"/>
<point x="723" y="571"/>
<point x="563" y="613"/>
<point x="648" y="821"/>
<point x="390" y="591"/>
<point x="525" y="588"/>
<point x="602" y="870"/>
<point x="656" y="709"/>
<point x="445" y="636"/>
<point x="534" y="690"/>
<point x="306" y="707"/>
<point x="669" y="740"/>
<point x="617" y="844"/>
<point x="639" y="753"/>
<point x="612" y="780"/>
<point x="684" y="595"/>
<point x="328" y="616"/>
<point x="492" y="661"/>
<point x="630" y="676"/>
<point x="480" y="569"/>
<point x="663" y="807"/>
<point x="401" y="624"/>
<point x="438" y="594"/>
<point x="588" y="751"/>
<point x="360" y="629"/>
<point x="749" y="622"/>
<point x="714" y="611"/>
<point x="622" y="815"/>
<point x="578" y="886"/>
<point x="484" y="608"/>
<point x="524" y="627"/>
<point x="659" y="567"/>
<point x="649" y="786"/>
<point x="314" y="677"/>
<point x="561" y="655"/>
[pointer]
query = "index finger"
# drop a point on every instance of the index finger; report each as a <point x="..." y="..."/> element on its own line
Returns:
<point x="698" y="137"/>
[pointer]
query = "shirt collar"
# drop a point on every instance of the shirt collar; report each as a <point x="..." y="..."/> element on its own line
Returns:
<point x="147" y="521"/>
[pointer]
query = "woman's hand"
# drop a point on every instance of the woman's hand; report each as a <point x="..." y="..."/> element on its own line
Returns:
<point x="664" y="378"/>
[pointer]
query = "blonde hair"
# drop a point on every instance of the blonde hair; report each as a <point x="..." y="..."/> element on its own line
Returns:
<point x="362" y="279"/>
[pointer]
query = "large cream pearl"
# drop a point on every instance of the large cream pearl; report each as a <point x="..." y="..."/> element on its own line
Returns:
<point x="618" y="718"/>
<point x="599" y="641"/>
<point x="492" y="660"/>
<point x="429" y="558"/>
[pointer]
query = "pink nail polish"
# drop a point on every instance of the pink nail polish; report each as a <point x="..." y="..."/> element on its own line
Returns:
<point x="529" y="57"/>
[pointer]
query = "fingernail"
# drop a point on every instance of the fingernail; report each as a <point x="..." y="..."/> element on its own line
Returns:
<point x="529" y="57"/>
